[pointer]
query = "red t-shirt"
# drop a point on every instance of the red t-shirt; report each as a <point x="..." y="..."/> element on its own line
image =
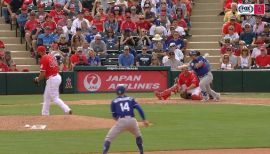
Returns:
<point x="31" y="25"/>
<point x="145" y="25"/>
<point x="57" y="15"/>
<point x="98" y="24"/>
<point x="237" y="28"/>
<point x="49" y="65"/>
<point x="4" y="67"/>
<point x="263" y="60"/>
<point x="52" y="25"/>
<point x="128" y="24"/>
<point x="89" y="18"/>
<point x="74" y="59"/>
<point x="188" y="79"/>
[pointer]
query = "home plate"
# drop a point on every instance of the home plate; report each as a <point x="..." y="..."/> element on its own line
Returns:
<point x="37" y="127"/>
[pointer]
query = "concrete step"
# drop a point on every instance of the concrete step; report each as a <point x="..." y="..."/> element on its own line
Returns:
<point x="7" y="33"/>
<point x="10" y="40"/>
<point x="206" y="18"/>
<point x="30" y="67"/>
<point x="207" y="6"/>
<point x="4" y="26"/>
<point x="15" y="47"/>
<point x="211" y="52"/>
<point x="206" y="24"/>
<point x="204" y="38"/>
<point x="24" y="61"/>
<point x="205" y="31"/>
<point x="209" y="11"/>
<point x="23" y="54"/>
<point x="203" y="45"/>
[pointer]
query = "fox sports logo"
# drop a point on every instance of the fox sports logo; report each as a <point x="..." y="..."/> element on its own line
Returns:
<point x="245" y="9"/>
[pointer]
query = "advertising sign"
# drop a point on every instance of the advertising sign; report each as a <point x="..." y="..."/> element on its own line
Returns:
<point x="257" y="9"/>
<point x="106" y="81"/>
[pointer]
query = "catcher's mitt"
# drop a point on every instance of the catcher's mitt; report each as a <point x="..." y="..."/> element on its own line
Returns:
<point x="185" y="95"/>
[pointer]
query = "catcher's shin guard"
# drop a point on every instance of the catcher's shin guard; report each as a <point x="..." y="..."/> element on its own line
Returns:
<point x="196" y="97"/>
<point x="166" y="93"/>
<point x="174" y="88"/>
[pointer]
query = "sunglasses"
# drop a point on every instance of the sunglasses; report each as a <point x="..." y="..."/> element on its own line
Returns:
<point x="144" y="49"/>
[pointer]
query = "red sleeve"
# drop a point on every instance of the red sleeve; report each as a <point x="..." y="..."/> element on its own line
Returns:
<point x="225" y="28"/>
<point x="73" y="59"/>
<point x="52" y="13"/>
<point x="180" y="79"/>
<point x="195" y="80"/>
<point x="43" y="66"/>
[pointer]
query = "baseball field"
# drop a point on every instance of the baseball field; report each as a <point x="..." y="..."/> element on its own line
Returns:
<point x="239" y="123"/>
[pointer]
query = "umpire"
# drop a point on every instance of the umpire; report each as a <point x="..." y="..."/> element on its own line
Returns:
<point x="122" y="109"/>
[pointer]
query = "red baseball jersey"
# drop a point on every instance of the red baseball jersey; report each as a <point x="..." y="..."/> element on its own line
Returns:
<point x="4" y="67"/>
<point x="188" y="79"/>
<point x="57" y="15"/>
<point x="263" y="60"/>
<point x="31" y="25"/>
<point x="48" y="64"/>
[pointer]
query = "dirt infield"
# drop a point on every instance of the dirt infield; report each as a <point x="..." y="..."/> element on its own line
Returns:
<point x="56" y="122"/>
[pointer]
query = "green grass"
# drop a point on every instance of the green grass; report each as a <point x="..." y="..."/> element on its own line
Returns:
<point x="176" y="126"/>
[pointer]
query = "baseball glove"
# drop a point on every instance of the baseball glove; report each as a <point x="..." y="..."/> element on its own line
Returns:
<point x="184" y="95"/>
<point x="35" y="80"/>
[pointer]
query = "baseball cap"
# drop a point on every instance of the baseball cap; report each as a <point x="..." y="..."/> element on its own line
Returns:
<point x="126" y="47"/>
<point x="120" y="89"/>
<point x="57" y="5"/>
<point x="41" y="49"/>
<point x="172" y="44"/>
<point x="24" y="7"/>
<point x="110" y="1"/>
<point x="193" y="53"/>
<point x="2" y="45"/>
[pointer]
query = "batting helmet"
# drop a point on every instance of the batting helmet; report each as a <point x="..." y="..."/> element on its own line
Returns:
<point x="194" y="53"/>
<point x="120" y="89"/>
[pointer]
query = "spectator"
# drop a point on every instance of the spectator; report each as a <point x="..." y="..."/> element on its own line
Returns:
<point x="158" y="46"/>
<point x="96" y="5"/>
<point x="182" y="29"/>
<point x="78" y="58"/>
<point x="22" y="18"/>
<point x="149" y="15"/>
<point x="111" y="4"/>
<point x="143" y="59"/>
<point x="111" y="23"/>
<point x="98" y="45"/>
<point x="234" y="37"/>
<point x="133" y="14"/>
<point x="171" y="61"/>
<point x="13" y="68"/>
<point x="73" y="4"/>
<point x="127" y="38"/>
<point x="232" y="22"/>
<point x="87" y="15"/>
<point x="263" y="60"/>
<point x="118" y="15"/>
<point x="164" y="20"/>
<point x="259" y="42"/>
<point x="144" y="38"/>
<point x="177" y="40"/>
<point x="232" y="12"/>
<point x="128" y="24"/>
<point x="126" y="59"/>
<point x="98" y="23"/>
<point x="249" y="19"/>
<point x="158" y="29"/>
<point x="259" y="26"/>
<point x="66" y="65"/>
<point x="57" y="13"/>
<point x="225" y="63"/>
<point x="178" y="53"/>
<point x="93" y="59"/>
<point x="103" y="16"/>
<point x="92" y="34"/>
<point x="85" y="29"/>
<point x="64" y="45"/>
<point x="56" y="53"/>
<point x="3" y="66"/>
<point x="34" y="35"/>
<point x="47" y="38"/>
<point x="69" y="30"/>
<point x="155" y="61"/>
<point x="30" y="25"/>
<point x="143" y="24"/>
<point x="12" y="7"/>
<point x="49" y="23"/>
<point x="85" y="49"/>
<point x="122" y="3"/>
<point x="266" y="33"/>
<point x="78" y="21"/>
<point x="247" y="35"/>
<point x="8" y="59"/>
<point x="61" y="2"/>
<point x="40" y="14"/>
<point x="77" y="39"/>
<point x="63" y="21"/>
<point x="232" y="57"/>
<point x="244" y="60"/>
<point x="111" y="40"/>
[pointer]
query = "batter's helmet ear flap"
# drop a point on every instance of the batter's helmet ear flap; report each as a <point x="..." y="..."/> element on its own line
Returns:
<point x="120" y="89"/>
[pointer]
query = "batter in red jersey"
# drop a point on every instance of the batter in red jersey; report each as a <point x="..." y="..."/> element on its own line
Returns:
<point x="187" y="84"/>
<point x="49" y="70"/>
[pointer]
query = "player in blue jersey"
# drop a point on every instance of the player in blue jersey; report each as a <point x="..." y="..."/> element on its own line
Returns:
<point x="122" y="109"/>
<point x="201" y="67"/>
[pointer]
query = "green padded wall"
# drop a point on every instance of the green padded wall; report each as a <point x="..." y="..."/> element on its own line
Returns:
<point x="3" y="84"/>
<point x="232" y="81"/>
<point x="256" y="81"/>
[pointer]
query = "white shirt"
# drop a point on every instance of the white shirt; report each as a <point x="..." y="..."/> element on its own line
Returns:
<point x="66" y="30"/>
<point x="154" y="27"/>
<point x="77" y="23"/>
<point x="255" y="52"/>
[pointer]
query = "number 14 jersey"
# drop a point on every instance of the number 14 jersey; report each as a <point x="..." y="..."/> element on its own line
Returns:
<point x="123" y="106"/>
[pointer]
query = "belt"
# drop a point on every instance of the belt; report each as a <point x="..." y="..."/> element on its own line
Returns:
<point x="52" y="76"/>
<point x="125" y="116"/>
<point x="203" y="75"/>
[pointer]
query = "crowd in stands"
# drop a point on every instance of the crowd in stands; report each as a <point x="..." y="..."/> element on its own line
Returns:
<point x="245" y="38"/>
<point x="108" y="32"/>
